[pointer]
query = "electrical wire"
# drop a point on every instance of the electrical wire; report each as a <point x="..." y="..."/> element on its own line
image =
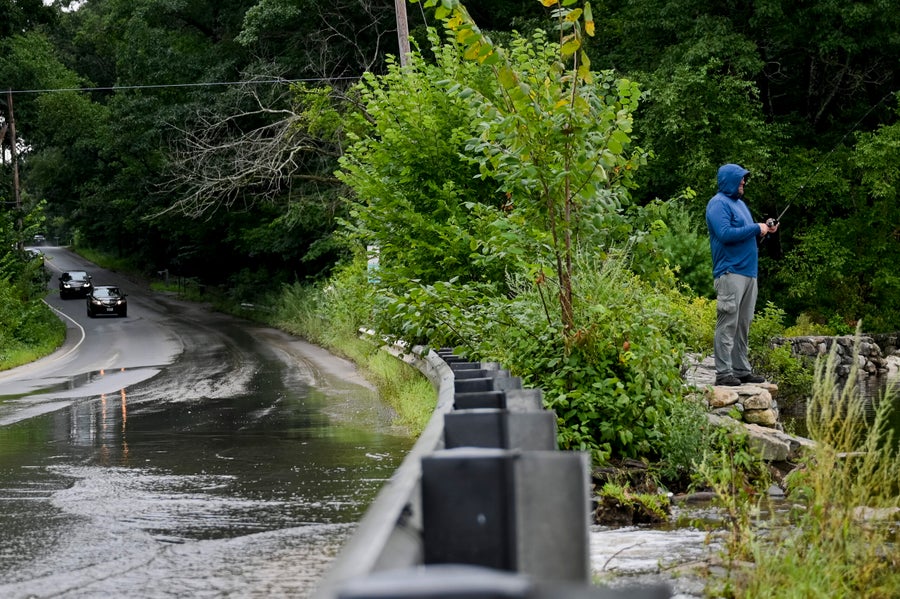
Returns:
<point x="175" y="85"/>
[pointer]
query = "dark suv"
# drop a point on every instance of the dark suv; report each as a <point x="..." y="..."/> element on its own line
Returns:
<point x="73" y="283"/>
<point x="106" y="299"/>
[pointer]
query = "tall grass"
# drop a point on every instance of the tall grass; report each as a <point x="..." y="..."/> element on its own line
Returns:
<point x="108" y="261"/>
<point x="29" y="329"/>
<point x="330" y="316"/>
<point x="841" y="536"/>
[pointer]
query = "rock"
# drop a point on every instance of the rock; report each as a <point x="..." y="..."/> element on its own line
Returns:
<point x="699" y="497"/>
<point x="870" y="514"/>
<point x="720" y="397"/>
<point x="760" y="400"/>
<point x="766" y="417"/>
<point x="774" y="443"/>
<point x="776" y="492"/>
<point x="754" y="407"/>
<point x="769" y="448"/>
<point x="727" y="411"/>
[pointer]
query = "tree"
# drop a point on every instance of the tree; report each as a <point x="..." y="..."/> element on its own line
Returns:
<point x="322" y="39"/>
<point x="414" y="190"/>
<point x="254" y="154"/>
<point x="483" y="179"/>
<point x="19" y="16"/>
<point x="840" y="268"/>
<point x="555" y="139"/>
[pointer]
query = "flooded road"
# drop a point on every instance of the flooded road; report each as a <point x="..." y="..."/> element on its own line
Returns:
<point x="208" y="457"/>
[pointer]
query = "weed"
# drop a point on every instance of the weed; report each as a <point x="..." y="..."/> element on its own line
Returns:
<point x="842" y="538"/>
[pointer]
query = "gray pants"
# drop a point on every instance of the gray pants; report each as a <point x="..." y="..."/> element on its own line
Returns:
<point x="735" y="302"/>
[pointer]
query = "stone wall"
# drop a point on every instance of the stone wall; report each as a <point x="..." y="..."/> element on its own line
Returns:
<point x="888" y="342"/>
<point x="870" y="360"/>
<point x="754" y="403"/>
<point x="756" y="406"/>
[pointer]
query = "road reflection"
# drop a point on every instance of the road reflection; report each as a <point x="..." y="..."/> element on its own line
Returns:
<point x="160" y="490"/>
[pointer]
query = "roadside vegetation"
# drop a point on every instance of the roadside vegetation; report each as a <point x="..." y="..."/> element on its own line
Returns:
<point x="839" y="537"/>
<point x="331" y="316"/>
<point x="28" y="328"/>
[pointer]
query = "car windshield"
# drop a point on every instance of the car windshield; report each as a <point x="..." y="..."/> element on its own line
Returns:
<point x="76" y="276"/>
<point x="107" y="292"/>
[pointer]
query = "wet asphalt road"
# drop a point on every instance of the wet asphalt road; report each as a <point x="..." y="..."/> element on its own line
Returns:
<point x="181" y="453"/>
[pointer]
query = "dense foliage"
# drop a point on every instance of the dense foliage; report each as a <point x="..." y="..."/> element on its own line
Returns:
<point x="28" y="328"/>
<point x="801" y="95"/>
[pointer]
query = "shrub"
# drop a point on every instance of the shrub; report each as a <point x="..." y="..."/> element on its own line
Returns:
<point x="687" y="437"/>
<point x="612" y="385"/>
<point x="807" y="324"/>
<point x="777" y="363"/>
<point x="331" y="314"/>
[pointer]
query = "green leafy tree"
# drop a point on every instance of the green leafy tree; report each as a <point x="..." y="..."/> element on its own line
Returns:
<point x="554" y="138"/>
<point x="777" y="86"/>
<point x="840" y="268"/>
<point x="550" y="149"/>
<point x="415" y="190"/>
<point x="24" y="15"/>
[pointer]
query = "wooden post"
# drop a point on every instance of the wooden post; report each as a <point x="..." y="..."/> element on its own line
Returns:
<point x="2" y="137"/>
<point x="12" y="150"/>
<point x="402" y="31"/>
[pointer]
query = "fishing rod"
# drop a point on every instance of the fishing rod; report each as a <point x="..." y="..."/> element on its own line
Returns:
<point x="772" y="222"/>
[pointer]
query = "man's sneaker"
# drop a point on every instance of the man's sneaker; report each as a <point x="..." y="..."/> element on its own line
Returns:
<point x="729" y="380"/>
<point x="752" y="378"/>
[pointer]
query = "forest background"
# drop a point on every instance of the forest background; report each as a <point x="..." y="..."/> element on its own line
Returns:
<point x="259" y="148"/>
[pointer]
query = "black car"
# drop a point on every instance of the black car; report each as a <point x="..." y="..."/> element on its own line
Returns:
<point x="106" y="299"/>
<point x="73" y="283"/>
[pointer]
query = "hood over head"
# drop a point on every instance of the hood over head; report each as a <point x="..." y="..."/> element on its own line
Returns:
<point x="729" y="179"/>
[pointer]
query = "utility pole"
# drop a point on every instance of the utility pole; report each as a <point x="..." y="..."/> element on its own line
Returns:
<point x="12" y="149"/>
<point x="402" y="31"/>
<point x="2" y="137"/>
<point x="15" y="165"/>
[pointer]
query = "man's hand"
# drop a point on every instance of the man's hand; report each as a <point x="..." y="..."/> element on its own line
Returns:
<point x="770" y="226"/>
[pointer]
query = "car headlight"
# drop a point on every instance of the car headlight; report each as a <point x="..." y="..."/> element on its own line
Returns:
<point x="96" y="301"/>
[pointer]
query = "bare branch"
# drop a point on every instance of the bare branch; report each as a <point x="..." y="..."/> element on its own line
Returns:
<point x="217" y="164"/>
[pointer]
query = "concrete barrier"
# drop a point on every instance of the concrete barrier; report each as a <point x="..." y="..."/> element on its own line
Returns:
<point x="522" y="511"/>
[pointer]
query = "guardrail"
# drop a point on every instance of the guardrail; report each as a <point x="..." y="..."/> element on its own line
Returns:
<point x="483" y="506"/>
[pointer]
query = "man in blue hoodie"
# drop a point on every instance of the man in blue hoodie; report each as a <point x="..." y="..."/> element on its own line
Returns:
<point x="733" y="241"/>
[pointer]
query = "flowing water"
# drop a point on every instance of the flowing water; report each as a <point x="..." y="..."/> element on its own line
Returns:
<point x="148" y="495"/>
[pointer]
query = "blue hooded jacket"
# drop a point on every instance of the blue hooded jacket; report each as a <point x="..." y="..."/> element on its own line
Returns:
<point x="732" y="232"/>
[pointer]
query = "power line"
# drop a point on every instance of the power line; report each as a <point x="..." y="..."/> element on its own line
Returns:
<point x="175" y="85"/>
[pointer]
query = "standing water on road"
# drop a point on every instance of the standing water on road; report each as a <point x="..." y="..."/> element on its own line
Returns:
<point x="146" y="493"/>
